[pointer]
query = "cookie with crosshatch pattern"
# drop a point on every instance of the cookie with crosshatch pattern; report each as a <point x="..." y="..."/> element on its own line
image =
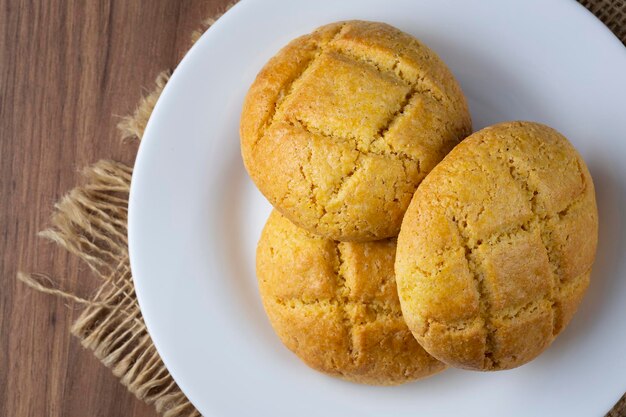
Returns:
<point x="335" y="305"/>
<point x="496" y="248"/>
<point x="340" y="127"/>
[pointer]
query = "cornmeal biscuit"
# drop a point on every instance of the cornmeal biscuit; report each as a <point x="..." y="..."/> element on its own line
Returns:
<point x="340" y="127"/>
<point x="496" y="248"/>
<point x="335" y="305"/>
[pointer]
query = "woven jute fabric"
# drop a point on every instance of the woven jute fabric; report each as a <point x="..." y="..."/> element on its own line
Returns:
<point x="91" y="222"/>
<point x="611" y="12"/>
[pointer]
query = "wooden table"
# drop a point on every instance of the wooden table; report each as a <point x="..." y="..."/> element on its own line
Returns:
<point x="67" y="68"/>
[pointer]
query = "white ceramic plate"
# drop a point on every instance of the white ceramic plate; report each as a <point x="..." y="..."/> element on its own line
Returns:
<point x="195" y="217"/>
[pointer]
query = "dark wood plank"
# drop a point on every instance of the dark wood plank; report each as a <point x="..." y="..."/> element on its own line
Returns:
<point x="66" y="68"/>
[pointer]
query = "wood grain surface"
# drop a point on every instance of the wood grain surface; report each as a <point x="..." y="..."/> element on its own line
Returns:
<point x="67" y="68"/>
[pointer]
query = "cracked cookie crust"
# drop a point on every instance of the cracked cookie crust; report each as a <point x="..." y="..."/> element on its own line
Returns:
<point x="340" y="127"/>
<point x="496" y="248"/>
<point x="335" y="305"/>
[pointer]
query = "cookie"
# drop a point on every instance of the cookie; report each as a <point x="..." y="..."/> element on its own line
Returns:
<point x="335" y="305"/>
<point x="496" y="248"/>
<point x="340" y="127"/>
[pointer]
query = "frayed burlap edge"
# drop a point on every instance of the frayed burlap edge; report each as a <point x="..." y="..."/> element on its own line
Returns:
<point x="90" y="222"/>
<point x="132" y="127"/>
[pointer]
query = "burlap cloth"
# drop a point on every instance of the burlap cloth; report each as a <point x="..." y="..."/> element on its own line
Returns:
<point x="90" y="222"/>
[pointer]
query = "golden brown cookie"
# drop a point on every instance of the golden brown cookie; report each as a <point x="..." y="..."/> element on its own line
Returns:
<point x="496" y="248"/>
<point x="335" y="305"/>
<point x="340" y="127"/>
